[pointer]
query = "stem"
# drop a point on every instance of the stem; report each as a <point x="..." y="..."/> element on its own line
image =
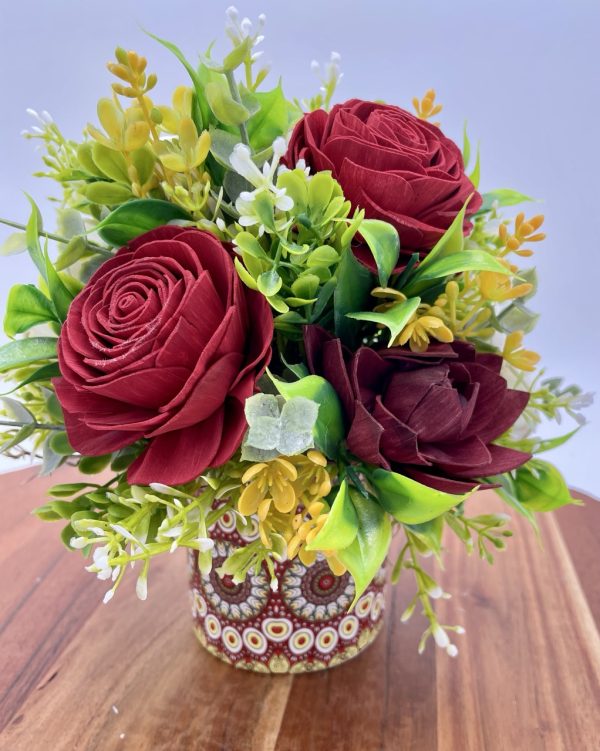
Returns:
<point x="36" y="425"/>
<point x="51" y="236"/>
<point x="235" y="95"/>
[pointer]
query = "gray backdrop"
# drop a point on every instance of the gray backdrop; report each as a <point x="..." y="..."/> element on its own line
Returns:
<point x="523" y="73"/>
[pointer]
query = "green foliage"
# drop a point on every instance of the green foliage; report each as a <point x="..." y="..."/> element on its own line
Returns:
<point x="366" y="554"/>
<point x="329" y="425"/>
<point x="539" y="486"/>
<point x="408" y="501"/>
<point x="384" y="243"/>
<point x="502" y="197"/>
<point x="26" y="307"/>
<point x="136" y="217"/>
<point x="395" y="318"/>
<point x="24" y="351"/>
<point x="354" y="283"/>
<point x="342" y="525"/>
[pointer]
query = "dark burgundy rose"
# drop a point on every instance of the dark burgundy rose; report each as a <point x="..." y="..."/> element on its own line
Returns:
<point x="391" y="164"/>
<point x="433" y="416"/>
<point x="164" y="343"/>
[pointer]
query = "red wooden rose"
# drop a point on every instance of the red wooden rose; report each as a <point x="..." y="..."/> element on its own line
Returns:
<point x="391" y="164"/>
<point x="164" y="343"/>
<point x="433" y="416"/>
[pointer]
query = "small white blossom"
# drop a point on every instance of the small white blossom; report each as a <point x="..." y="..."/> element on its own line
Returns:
<point x="238" y="31"/>
<point x="452" y="650"/>
<point x="441" y="637"/>
<point x="261" y="180"/>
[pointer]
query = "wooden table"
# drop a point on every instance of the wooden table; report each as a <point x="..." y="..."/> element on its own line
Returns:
<point x="75" y="674"/>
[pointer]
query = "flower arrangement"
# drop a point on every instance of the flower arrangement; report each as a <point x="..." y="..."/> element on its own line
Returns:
<point x="305" y="318"/>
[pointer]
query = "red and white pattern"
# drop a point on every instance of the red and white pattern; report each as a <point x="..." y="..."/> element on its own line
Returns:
<point x="303" y="626"/>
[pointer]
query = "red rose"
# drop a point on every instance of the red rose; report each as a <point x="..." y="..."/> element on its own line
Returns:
<point x="164" y="343"/>
<point x="391" y="164"/>
<point x="434" y="416"/>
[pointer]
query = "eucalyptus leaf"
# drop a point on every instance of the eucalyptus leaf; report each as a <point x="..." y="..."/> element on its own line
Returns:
<point x="329" y="427"/>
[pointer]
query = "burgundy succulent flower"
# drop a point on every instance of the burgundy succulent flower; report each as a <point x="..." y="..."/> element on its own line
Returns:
<point x="391" y="164"/>
<point x="163" y="343"/>
<point x="433" y="416"/>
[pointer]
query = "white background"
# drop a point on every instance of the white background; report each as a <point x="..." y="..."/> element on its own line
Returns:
<point x="523" y="74"/>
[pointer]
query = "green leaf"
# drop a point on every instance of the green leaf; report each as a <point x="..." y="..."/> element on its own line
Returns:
<point x="32" y="232"/>
<point x="395" y="318"/>
<point x="91" y="465"/>
<point x="269" y="283"/>
<point x="271" y="120"/>
<point x="106" y="193"/>
<point x="26" y="307"/>
<point x="59" y="443"/>
<point x="67" y="489"/>
<point x="552" y="443"/>
<point x="366" y="554"/>
<point x="452" y="241"/>
<point x="329" y="427"/>
<point x="238" y="54"/>
<point x="222" y="143"/>
<point x="341" y="527"/>
<point x="201" y="114"/>
<point x="541" y="487"/>
<point x="430" y="533"/>
<point x="464" y="260"/>
<point x="224" y="107"/>
<point x="136" y="217"/>
<point x="111" y="164"/>
<point x="59" y="293"/>
<point x="24" y="351"/>
<point x="354" y="283"/>
<point x="408" y="501"/>
<point x="504" y="197"/>
<point x="476" y="173"/>
<point x="466" y="150"/>
<point x="21" y="435"/>
<point x="16" y="242"/>
<point x="384" y="244"/>
<point x="46" y="372"/>
<point x="16" y="410"/>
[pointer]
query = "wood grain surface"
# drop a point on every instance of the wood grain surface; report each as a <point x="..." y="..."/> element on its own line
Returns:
<point x="76" y="674"/>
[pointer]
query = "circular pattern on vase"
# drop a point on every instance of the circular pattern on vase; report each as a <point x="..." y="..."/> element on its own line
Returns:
<point x="255" y="640"/>
<point x="314" y="593"/>
<point x="301" y="641"/>
<point x="233" y="601"/>
<point x="231" y="639"/>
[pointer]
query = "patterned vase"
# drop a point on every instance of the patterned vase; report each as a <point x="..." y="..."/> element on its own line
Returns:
<point x="303" y="626"/>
